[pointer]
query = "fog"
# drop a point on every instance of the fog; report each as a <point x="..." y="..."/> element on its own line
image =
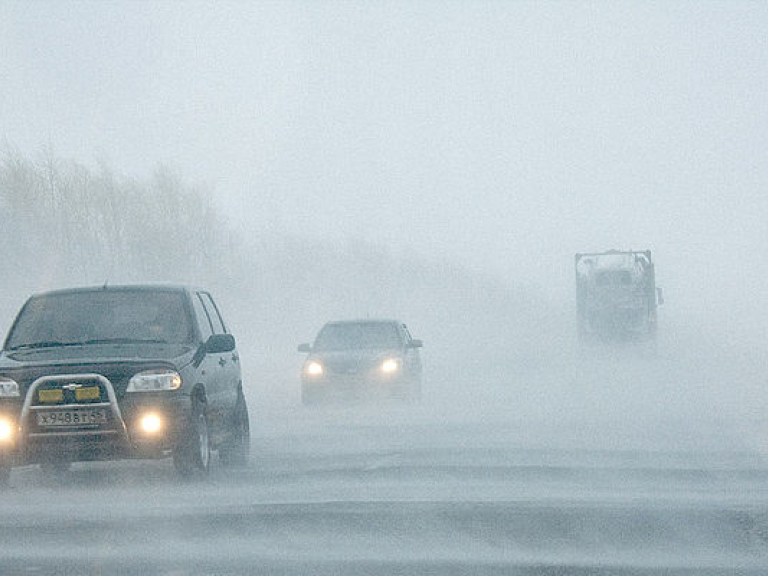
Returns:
<point x="439" y="163"/>
<point x="503" y="137"/>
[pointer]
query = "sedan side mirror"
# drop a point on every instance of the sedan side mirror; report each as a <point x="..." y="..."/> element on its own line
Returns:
<point x="415" y="344"/>
<point x="220" y="343"/>
<point x="305" y="348"/>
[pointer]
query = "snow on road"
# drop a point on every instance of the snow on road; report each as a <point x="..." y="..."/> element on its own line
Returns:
<point x="397" y="490"/>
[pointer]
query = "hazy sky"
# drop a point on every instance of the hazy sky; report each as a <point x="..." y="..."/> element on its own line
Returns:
<point x="503" y="135"/>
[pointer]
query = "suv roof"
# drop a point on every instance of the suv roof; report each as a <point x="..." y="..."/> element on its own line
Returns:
<point x="150" y="287"/>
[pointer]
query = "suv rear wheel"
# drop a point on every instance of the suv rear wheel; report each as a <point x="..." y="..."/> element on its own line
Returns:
<point x="236" y="449"/>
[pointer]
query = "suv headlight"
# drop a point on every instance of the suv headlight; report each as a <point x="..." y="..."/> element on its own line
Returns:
<point x="154" y="380"/>
<point x="8" y="388"/>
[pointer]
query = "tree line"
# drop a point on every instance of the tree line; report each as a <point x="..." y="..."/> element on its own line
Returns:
<point x="66" y="224"/>
<point x="62" y="221"/>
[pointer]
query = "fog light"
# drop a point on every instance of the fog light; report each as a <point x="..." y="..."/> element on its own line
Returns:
<point x="6" y="431"/>
<point x="151" y="423"/>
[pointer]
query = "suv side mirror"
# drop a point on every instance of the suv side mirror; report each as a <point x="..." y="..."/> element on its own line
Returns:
<point x="220" y="343"/>
<point x="415" y="344"/>
<point x="305" y="348"/>
<point x="659" y="296"/>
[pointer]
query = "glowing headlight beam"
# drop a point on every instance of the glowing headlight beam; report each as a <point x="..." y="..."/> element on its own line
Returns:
<point x="151" y="423"/>
<point x="6" y="431"/>
<point x="390" y="365"/>
<point x="314" y="369"/>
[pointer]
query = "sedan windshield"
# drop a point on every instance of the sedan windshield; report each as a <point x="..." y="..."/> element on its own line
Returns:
<point x="357" y="336"/>
<point x="109" y="316"/>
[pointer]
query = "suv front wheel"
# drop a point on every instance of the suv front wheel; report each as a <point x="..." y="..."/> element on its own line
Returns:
<point x="193" y="453"/>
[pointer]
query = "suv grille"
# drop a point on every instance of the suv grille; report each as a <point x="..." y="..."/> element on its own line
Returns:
<point x="74" y="391"/>
<point x="71" y="404"/>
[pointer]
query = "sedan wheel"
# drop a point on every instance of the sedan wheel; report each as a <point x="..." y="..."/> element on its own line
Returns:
<point x="55" y="466"/>
<point x="5" y="469"/>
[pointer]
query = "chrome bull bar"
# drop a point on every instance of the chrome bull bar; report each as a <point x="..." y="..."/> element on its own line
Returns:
<point x="27" y="410"/>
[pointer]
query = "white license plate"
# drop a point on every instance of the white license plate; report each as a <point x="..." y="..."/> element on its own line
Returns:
<point x="72" y="417"/>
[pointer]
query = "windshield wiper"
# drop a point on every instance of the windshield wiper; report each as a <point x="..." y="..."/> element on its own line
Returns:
<point x="59" y="343"/>
<point x="124" y="341"/>
<point x="43" y="344"/>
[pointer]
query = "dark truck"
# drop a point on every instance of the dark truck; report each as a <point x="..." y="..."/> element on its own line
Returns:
<point x="105" y="373"/>
<point x="616" y="295"/>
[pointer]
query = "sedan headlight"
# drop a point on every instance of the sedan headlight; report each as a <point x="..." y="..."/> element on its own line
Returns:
<point x="314" y="368"/>
<point x="8" y="388"/>
<point x="390" y="365"/>
<point x="154" y="381"/>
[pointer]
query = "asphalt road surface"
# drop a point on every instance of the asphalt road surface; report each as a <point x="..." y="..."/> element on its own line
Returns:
<point x="400" y="490"/>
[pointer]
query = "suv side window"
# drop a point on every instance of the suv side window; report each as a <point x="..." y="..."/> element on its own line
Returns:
<point x="203" y="320"/>
<point x="213" y="313"/>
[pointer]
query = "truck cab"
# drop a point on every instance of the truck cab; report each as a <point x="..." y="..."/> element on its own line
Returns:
<point x="616" y="295"/>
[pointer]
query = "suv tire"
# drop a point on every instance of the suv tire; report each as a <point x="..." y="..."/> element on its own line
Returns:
<point x="236" y="449"/>
<point x="193" y="453"/>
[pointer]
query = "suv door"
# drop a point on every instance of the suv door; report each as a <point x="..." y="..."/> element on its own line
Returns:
<point x="223" y="373"/>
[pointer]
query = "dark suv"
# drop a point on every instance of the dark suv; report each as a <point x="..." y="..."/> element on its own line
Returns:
<point x="121" y="372"/>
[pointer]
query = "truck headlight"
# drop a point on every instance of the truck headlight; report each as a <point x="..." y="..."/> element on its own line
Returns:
<point x="154" y="381"/>
<point x="8" y="388"/>
<point x="390" y="365"/>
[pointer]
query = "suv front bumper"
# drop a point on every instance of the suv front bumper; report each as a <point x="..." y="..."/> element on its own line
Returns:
<point x="140" y="425"/>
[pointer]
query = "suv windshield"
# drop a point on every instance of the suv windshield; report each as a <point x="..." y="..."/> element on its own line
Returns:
<point x="101" y="317"/>
<point x="357" y="336"/>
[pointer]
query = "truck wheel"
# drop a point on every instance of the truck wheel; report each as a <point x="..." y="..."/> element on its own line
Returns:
<point x="237" y="448"/>
<point x="193" y="453"/>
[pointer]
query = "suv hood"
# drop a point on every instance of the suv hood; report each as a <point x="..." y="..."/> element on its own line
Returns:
<point x="118" y="363"/>
<point x="94" y="353"/>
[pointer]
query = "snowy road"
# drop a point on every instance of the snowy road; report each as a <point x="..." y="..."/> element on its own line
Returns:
<point x="348" y="491"/>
